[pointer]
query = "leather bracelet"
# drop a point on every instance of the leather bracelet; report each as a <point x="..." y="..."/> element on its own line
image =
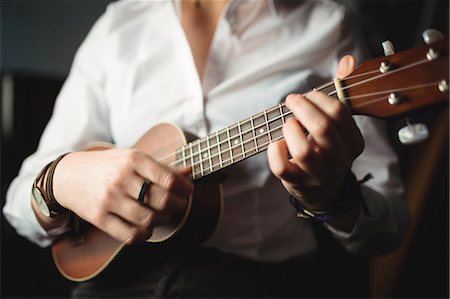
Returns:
<point x="53" y="205"/>
<point x="39" y="178"/>
<point x="352" y="195"/>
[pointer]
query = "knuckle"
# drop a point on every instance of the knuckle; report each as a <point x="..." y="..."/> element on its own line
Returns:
<point x="98" y="217"/>
<point x="293" y="100"/>
<point x="338" y="110"/>
<point x="163" y="203"/>
<point x="117" y="181"/>
<point x="131" y="157"/>
<point x="302" y="153"/>
<point x="278" y="169"/>
<point x="322" y="127"/>
<point x="106" y="198"/>
<point x="148" y="220"/>
<point x="168" y="180"/>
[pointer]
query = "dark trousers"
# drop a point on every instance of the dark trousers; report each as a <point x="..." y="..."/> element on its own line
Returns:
<point x="143" y="272"/>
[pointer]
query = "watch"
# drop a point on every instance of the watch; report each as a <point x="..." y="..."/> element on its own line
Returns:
<point x="39" y="194"/>
<point x="44" y="198"/>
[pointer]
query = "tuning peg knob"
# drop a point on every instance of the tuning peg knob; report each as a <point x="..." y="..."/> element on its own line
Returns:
<point x="388" y="48"/>
<point x="413" y="133"/>
<point x="432" y="35"/>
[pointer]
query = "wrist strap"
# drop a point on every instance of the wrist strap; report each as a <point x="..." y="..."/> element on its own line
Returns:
<point x="351" y="193"/>
<point x="53" y="205"/>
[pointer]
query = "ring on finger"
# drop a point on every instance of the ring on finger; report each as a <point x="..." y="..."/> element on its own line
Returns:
<point x="144" y="188"/>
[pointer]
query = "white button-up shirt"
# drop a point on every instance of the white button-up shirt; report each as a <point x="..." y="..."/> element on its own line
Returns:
<point x="135" y="69"/>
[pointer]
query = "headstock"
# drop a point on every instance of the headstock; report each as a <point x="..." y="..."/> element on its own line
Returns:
<point x="399" y="83"/>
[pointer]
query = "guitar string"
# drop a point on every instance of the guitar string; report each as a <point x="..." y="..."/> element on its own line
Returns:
<point x="254" y="129"/>
<point x="253" y="150"/>
<point x="277" y="107"/>
<point x="331" y="93"/>
<point x="319" y="88"/>
<point x="254" y="138"/>
<point x="211" y="167"/>
<point x="381" y="75"/>
<point x="281" y="105"/>
<point x="391" y="91"/>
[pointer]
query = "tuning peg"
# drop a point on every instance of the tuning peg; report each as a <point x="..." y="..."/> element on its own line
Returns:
<point x="388" y="48"/>
<point x="432" y="35"/>
<point x="413" y="133"/>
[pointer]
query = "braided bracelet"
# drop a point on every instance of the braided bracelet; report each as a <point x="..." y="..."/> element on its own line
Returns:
<point x="352" y="193"/>
<point x="54" y="206"/>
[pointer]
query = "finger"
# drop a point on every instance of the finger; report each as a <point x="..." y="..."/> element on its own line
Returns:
<point x="134" y="185"/>
<point x="132" y="211"/>
<point x="122" y="230"/>
<point x="345" y="125"/>
<point x="164" y="177"/>
<point x="319" y="125"/>
<point x="279" y="164"/>
<point x="300" y="148"/>
<point x="161" y="200"/>
<point x="156" y="197"/>
<point x="346" y="66"/>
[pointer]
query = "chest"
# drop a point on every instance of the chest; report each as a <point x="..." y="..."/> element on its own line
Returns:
<point x="199" y="20"/>
<point x="154" y="76"/>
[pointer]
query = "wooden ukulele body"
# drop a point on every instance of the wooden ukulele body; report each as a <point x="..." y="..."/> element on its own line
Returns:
<point x="82" y="254"/>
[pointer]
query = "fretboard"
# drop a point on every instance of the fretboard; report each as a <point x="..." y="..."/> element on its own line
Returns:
<point x="235" y="142"/>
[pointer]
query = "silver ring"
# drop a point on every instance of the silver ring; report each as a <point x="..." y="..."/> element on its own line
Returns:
<point x="143" y="191"/>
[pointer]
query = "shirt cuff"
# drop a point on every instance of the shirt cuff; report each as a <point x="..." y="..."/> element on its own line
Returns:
<point x="376" y="206"/>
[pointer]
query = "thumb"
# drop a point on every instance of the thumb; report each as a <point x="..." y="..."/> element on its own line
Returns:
<point x="346" y="66"/>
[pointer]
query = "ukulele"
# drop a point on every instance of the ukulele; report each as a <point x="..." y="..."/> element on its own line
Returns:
<point x="385" y="87"/>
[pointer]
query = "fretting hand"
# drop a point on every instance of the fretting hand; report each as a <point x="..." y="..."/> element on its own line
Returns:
<point x="313" y="167"/>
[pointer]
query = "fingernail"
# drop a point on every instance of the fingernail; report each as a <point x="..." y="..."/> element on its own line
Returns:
<point x="292" y="99"/>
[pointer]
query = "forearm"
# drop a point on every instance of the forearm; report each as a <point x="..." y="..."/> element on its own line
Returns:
<point x="21" y="214"/>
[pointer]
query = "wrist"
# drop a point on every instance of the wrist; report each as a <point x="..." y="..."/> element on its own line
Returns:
<point x="346" y="202"/>
<point x="42" y="191"/>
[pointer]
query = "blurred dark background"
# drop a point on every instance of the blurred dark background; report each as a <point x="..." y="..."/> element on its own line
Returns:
<point x="38" y="41"/>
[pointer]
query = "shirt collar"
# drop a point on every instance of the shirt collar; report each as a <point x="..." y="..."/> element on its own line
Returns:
<point x="277" y="8"/>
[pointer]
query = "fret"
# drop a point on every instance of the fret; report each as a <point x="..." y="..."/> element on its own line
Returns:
<point x="229" y="145"/>
<point x="200" y="157"/>
<point x="267" y="126"/>
<point x="179" y="159"/>
<point x="214" y="153"/>
<point x="204" y="157"/>
<point x="280" y="107"/>
<point x="236" y="143"/>
<point x="194" y="161"/>
<point x="218" y="149"/>
<point x="275" y="123"/>
<point x="186" y="156"/>
<point x="248" y="137"/>
<point x="260" y="131"/>
<point x="254" y="135"/>
<point x="240" y="137"/>
<point x="285" y="111"/>
<point x="224" y="147"/>
<point x="182" y="157"/>
<point x="259" y="122"/>
<point x="209" y="154"/>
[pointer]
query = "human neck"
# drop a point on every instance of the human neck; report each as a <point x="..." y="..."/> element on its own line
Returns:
<point x="199" y="19"/>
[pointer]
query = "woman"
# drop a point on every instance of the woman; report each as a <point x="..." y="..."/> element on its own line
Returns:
<point x="205" y="65"/>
